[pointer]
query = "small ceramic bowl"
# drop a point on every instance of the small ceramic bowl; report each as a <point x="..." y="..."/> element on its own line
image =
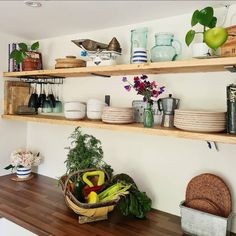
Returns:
<point x="74" y="106"/>
<point x="94" y="115"/>
<point x="74" y="115"/>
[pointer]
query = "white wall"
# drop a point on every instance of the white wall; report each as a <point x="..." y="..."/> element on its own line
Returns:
<point x="162" y="166"/>
<point x="12" y="134"/>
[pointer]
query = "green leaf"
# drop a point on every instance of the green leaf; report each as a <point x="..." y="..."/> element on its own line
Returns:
<point x="23" y="46"/>
<point x="35" y="46"/>
<point x="17" y="55"/>
<point x="195" y="18"/>
<point x="14" y="54"/>
<point x="189" y="37"/>
<point x="9" y="167"/>
<point x="206" y="16"/>
<point x="213" y="22"/>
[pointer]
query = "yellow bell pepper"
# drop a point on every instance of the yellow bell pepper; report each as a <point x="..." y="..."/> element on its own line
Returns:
<point x="99" y="173"/>
<point x="92" y="198"/>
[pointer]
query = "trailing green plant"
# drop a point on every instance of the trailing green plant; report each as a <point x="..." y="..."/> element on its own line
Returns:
<point x="213" y="36"/>
<point x="85" y="152"/>
<point x="20" y="54"/>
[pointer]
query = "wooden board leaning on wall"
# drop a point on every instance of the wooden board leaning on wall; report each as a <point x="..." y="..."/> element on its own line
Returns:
<point x="15" y="94"/>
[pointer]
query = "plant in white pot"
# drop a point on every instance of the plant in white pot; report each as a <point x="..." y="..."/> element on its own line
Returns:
<point x="22" y="161"/>
<point x="213" y="37"/>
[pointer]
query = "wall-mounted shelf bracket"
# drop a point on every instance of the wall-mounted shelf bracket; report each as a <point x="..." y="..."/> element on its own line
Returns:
<point x="231" y="69"/>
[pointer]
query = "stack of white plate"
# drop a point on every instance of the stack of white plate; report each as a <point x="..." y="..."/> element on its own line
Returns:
<point x="95" y="109"/>
<point x="118" y="115"/>
<point x="200" y="121"/>
<point x="74" y="110"/>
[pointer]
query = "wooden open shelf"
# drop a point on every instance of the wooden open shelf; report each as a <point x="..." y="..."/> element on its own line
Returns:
<point x="138" y="128"/>
<point x="195" y="65"/>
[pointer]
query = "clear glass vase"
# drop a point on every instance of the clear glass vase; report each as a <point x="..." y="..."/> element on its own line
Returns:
<point x="148" y="118"/>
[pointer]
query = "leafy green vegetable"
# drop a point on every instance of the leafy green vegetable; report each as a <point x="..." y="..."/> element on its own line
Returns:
<point x="136" y="203"/>
<point x="124" y="178"/>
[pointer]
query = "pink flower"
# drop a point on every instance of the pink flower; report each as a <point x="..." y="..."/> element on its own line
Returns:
<point x="153" y="84"/>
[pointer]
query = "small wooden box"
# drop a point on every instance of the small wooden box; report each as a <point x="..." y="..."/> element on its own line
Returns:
<point x="229" y="47"/>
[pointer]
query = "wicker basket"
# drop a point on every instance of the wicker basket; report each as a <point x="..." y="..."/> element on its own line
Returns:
<point x="87" y="212"/>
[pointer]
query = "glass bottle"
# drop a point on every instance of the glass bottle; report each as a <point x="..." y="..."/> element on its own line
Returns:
<point x="139" y="45"/>
<point x="148" y="117"/>
<point x="163" y="49"/>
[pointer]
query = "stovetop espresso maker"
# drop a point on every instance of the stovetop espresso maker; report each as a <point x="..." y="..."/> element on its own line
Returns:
<point x="168" y="106"/>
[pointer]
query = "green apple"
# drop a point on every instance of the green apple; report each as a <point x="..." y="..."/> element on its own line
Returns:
<point x="215" y="37"/>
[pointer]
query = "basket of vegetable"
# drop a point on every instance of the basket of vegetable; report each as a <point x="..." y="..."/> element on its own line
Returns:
<point x="90" y="194"/>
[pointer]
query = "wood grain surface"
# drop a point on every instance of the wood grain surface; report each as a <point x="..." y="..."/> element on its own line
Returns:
<point x="38" y="206"/>
<point x="188" y="66"/>
<point x="135" y="127"/>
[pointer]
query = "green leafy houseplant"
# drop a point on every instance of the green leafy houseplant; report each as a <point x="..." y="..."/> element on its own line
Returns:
<point x="85" y="152"/>
<point x="20" y="54"/>
<point x="213" y="36"/>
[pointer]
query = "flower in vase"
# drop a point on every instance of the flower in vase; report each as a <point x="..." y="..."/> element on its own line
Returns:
<point x="141" y="84"/>
<point x="23" y="158"/>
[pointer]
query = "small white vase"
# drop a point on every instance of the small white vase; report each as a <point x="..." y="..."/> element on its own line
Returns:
<point x="23" y="172"/>
<point x="201" y="50"/>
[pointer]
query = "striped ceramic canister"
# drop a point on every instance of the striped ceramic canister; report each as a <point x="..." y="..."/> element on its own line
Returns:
<point x="23" y="172"/>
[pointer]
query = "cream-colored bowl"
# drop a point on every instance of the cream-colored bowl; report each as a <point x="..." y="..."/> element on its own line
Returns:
<point x="75" y="115"/>
<point x="94" y="115"/>
<point x="74" y="106"/>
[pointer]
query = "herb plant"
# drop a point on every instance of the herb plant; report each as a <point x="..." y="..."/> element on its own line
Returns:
<point x="85" y="152"/>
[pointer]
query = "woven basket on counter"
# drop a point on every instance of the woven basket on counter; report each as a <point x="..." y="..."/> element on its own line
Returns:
<point x="87" y="212"/>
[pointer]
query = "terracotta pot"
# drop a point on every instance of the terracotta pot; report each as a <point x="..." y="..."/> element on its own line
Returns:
<point x="30" y="64"/>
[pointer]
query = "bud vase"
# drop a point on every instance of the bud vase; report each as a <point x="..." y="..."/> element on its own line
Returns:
<point x="23" y="172"/>
<point x="148" y="118"/>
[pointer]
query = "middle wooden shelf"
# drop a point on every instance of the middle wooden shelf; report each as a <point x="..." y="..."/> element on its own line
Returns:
<point x="135" y="127"/>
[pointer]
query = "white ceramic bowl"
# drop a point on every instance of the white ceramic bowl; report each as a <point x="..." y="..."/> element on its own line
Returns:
<point x="93" y="101"/>
<point x="74" y="115"/>
<point x="95" y="107"/>
<point x="74" y="106"/>
<point x="94" y="115"/>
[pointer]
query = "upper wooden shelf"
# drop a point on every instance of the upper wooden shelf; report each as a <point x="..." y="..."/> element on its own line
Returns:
<point x="189" y="66"/>
<point x="138" y="128"/>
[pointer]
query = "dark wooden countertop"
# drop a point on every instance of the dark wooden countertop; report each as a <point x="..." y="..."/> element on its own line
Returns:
<point x="38" y="205"/>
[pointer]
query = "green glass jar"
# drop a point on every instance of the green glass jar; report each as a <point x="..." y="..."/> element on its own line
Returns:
<point x="148" y="116"/>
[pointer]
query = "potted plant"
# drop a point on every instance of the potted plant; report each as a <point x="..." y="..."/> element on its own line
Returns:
<point x="22" y="161"/>
<point x="213" y="37"/>
<point x="27" y="56"/>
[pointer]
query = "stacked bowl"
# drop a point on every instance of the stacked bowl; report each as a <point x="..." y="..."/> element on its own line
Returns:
<point x="118" y="115"/>
<point x="139" y="55"/>
<point x="200" y="121"/>
<point x="74" y="110"/>
<point x="95" y="109"/>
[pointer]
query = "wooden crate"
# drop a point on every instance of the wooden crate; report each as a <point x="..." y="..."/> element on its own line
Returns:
<point x="229" y="47"/>
<point x="16" y="94"/>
